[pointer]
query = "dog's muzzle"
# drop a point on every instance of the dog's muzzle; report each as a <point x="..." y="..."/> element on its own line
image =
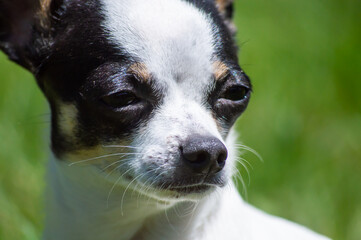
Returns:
<point x="202" y="159"/>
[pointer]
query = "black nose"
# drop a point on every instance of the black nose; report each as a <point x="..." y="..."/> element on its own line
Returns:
<point x="204" y="154"/>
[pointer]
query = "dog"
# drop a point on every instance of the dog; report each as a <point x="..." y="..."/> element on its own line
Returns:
<point x="143" y="95"/>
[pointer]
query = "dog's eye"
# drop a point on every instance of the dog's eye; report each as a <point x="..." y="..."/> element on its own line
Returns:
<point x="236" y="93"/>
<point x="120" y="99"/>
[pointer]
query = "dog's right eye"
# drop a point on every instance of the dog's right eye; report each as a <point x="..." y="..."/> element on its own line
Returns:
<point x="120" y="99"/>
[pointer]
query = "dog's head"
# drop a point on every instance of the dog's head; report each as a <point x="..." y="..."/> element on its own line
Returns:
<point x="143" y="90"/>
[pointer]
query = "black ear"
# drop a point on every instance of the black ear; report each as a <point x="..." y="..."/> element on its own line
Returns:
<point x="225" y="8"/>
<point x="25" y="30"/>
<point x="17" y="18"/>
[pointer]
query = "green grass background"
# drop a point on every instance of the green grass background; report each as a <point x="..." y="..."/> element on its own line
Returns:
<point x="304" y="58"/>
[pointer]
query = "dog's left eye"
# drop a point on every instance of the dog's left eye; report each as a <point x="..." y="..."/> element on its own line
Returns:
<point x="120" y="99"/>
<point x="236" y="93"/>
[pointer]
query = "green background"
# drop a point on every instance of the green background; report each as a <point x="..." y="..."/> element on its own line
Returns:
<point x="304" y="58"/>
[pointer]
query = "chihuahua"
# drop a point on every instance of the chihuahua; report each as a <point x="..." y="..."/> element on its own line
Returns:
<point x="143" y="96"/>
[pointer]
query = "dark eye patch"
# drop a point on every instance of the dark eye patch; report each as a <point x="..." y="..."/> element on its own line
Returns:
<point x="118" y="95"/>
<point x="111" y="105"/>
<point x="230" y="97"/>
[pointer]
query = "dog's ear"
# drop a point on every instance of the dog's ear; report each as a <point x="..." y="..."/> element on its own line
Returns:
<point x="25" y="30"/>
<point x="225" y="8"/>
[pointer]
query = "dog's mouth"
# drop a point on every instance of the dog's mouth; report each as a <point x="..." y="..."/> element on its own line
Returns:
<point x="199" y="188"/>
<point x="194" y="188"/>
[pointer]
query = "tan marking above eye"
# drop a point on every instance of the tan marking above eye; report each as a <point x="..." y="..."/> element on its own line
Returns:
<point x="220" y="70"/>
<point x="141" y="71"/>
<point x="223" y="4"/>
<point x="43" y="13"/>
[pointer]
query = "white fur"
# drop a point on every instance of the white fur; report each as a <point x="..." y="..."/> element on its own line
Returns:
<point x="172" y="38"/>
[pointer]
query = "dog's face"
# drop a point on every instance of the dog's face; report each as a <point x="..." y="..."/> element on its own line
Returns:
<point x="145" y="91"/>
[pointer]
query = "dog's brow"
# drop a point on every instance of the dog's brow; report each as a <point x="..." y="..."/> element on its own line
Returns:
<point x="220" y="70"/>
<point x="222" y="4"/>
<point x="141" y="71"/>
<point x="44" y="12"/>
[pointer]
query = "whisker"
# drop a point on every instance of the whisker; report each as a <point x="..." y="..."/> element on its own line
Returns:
<point x="170" y="224"/>
<point x="116" y="162"/>
<point x="241" y="146"/>
<point x="245" y="167"/>
<point x="192" y="212"/>
<point x="103" y="156"/>
<point x="123" y="196"/>
<point x="118" y="167"/>
<point x="147" y="187"/>
<point x="116" y="182"/>
<point x="244" y="188"/>
<point x="151" y="186"/>
<point x="246" y="161"/>
<point x="148" y="172"/>
<point x="119" y="146"/>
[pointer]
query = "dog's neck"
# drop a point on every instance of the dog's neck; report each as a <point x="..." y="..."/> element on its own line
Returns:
<point x="82" y="202"/>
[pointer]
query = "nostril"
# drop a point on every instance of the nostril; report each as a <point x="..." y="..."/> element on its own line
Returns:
<point x="222" y="159"/>
<point x="201" y="157"/>
<point x="196" y="157"/>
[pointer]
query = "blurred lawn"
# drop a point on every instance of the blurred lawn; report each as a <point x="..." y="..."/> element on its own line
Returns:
<point x="304" y="58"/>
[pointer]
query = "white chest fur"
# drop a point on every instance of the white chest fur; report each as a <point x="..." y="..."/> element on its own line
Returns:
<point x="79" y="208"/>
